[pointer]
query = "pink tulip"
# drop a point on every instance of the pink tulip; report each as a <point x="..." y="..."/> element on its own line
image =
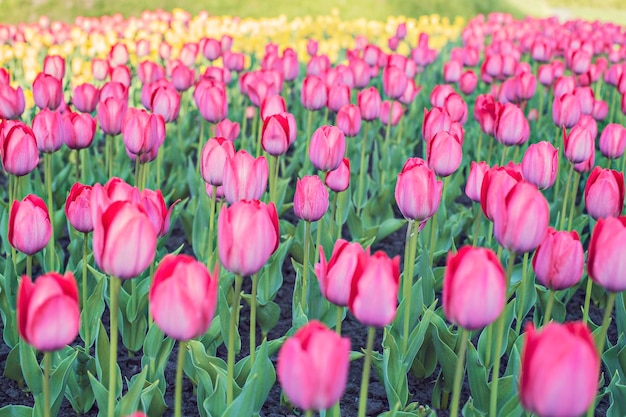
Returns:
<point x="215" y="153"/>
<point x="369" y="102"/>
<point x="275" y="135"/>
<point x="228" y="129"/>
<point x="373" y="296"/>
<point x="545" y="75"/>
<point x="85" y="97"/>
<point x="149" y="72"/>
<point x="311" y="47"/>
<point x="485" y="113"/>
<point x="452" y="71"/>
<point x="183" y="297"/>
<point x="511" y="127"/>
<point x="124" y="240"/>
<point x="143" y="133"/>
<point x="48" y="317"/>
<point x="211" y="49"/>
<point x="78" y="208"/>
<point x="328" y="146"/>
<point x="566" y="110"/>
<point x="468" y="82"/>
<point x="445" y="153"/>
<point x="29" y="225"/>
<point x="540" y="164"/>
<point x="474" y="288"/>
<point x="157" y="211"/>
<point x="210" y="97"/>
<point x="604" y="193"/>
<point x="600" y="110"/>
<point x="606" y="254"/>
<point x="475" y="180"/>
<point x="310" y="201"/>
<point x="165" y="101"/>
<point x="456" y="107"/>
<point x="118" y="54"/>
<point x="100" y="69"/>
<point x="271" y="105"/>
<point x="396" y="112"/>
<point x="314" y="94"/>
<point x="559" y="370"/>
<point x="521" y="221"/>
<point x="361" y="71"/>
<point x="349" y="120"/>
<point x="578" y="144"/>
<point x="418" y="191"/>
<point x="182" y="77"/>
<point x="338" y="95"/>
<point x="497" y="183"/>
<point x="114" y="89"/>
<point x="54" y="65"/>
<point x="47" y="91"/>
<point x="11" y="102"/>
<point x="335" y="276"/>
<point x="80" y="129"/>
<point x="313" y="366"/>
<point x="18" y="148"/>
<point x="435" y="120"/>
<point x="121" y="74"/>
<point x="291" y="66"/>
<point x="111" y="112"/>
<point x="244" y="178"/>
<point x="247" y="235"/>
<point x="49" y="130"/>
<point x="338" y="179"/>
<point x="558" y="261"/>
<point x="613" y="141"/>
<point x="394" y="82"/>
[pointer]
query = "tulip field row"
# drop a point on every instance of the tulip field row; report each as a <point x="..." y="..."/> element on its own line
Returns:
<point x="257" y="214"/>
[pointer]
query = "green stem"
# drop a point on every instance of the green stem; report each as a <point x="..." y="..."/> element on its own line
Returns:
<point x="200" y="144"/>
<point x="433" y="233"/>
<point x="573" y="206"/>
<point x="504" y="152"/>
<point x="308" y="140"/>
<point x="340" y="202"/>
<point x="362" y="170"/>
<point x="365" y="379"/>
<point x="113" y="310"/>
<point x="48" y="173"/>
<point x="489" y="346"/>
<point x="259" y="135"/>
<point x="565" y="198"/>
<point x="479" y="145"/>
<point x="601" y="339"/>
<point x="255" y="123"/>
<point x="522" y="298"/>
<point x="339" y="320"/>
<point x="623" y="163"/>
<point x="273" y="177"/>
<point x="548" y="315"/>
<point x="305" y="263"/>
<point x="138" y="172"/>
<point x="255" y="284"/>
<point x="77" y="153"/>
<point x="29" y="265"/>
<point x="587" y="301"/>
<point x="209" y="246"/>
<point x="410" y="245"/>
<point x="333" y="215"/>
<point x="388" y="129"/>
<point x="308" y="413"/>
<point x="244" y="125"/>
<point x="180" y="364"/>
<point x="84" y="287"/>
<point x="459" y="374"/>
<point x="110" y="141"/>
<point x="47" y="364"/>
<point x="493" y="405"/>
<point x="476" y="224"/>
<point x="490" y="150"/>
<point x="231" y="340"/>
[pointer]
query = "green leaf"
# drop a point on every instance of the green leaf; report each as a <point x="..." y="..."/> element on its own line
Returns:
<point x="617" y="392"/>
<point x="199" y="237"/>
<point x="394" y="373"/>
<point x="102" y="363"/>
<point x="129" y="403"/>
<point x="16" y="411"/>
<point x="12" y="366"/>
<point x="445" y="354"/>
<point x="92" y="311"/>
<point x="224" y="317"/>
<point x="30" y="368"/>
<point x="477" y="376"/>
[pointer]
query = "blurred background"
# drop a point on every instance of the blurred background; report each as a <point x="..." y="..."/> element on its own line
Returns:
<point x="15" y="11"/>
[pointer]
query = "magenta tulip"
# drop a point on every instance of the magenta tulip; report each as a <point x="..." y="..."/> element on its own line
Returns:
<point x="78" y="208"/>
<point x="310" y="201"/>
<point x="559" y="260"/>
<point x="418" y="191"/>
<point x="604" y="193"/>
<point x="29" y="225"/>
<point x="540" y="164"/>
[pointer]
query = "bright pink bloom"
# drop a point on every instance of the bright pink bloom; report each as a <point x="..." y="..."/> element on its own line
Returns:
<point x="215" y="153"/>
<point x="80" y="129"/>
<point x="604" y="193"/>
<point x="183" y="77"/>
<point x="511" y="127"/>
<point x="314" y="94"/>
<point x="452" y="71"/>
<point x="18" y="148"/>
<point x="468" y="82"/>
<point x="165" y="101"/>
<point x="396" y="112"/>
<point x="578" y="144"/>
<point x="418" y="192"/>
<point x="245" y="177"/>
<point x="85" y="97"/>
<point x="47" y="91"/>
<point x="142" y="132"/>
<point x="607" y="252"/>
<point x="271" y="105"/>
<point x="29" y="225"/>
<point x="475" y="180"/>
<point x="157" y="211"/>
<point x="100" y="69"/>
<point x="445" y="153"/>
<point x="275" y="134"/>
<point x="496" y="184"/>
<point x="349" y="120"/>
<point x="613" y="141"/>
<point x="540" y="164"/>
<point x="335" y="277"/>
<point x="54" y="65"/>
<point x="121" y="74"/>
<point x="11" y="102"/>
<point x="49" y="130"/>
<point x="559" y="259"/>
<point x="210" y="97"/>
<point x="328" y="146"/>
<point x="228" y="129"/>
<point x="394" y="82"/>
<point x="369" y="102"/>
<point x="111" y="112"/>
<point x="566" y="110"/>
<point x="310" y="201"/>
<point x="78" y="208"/>
<point x="149" y="72"/>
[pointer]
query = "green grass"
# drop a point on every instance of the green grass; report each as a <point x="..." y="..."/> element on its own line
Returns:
<point x="66" y="10"/>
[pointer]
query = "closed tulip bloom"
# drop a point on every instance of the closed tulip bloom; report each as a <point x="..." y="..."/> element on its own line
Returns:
<point x="394" y="82"/>
<point x="310" y="201"/>
<point x="525" y="86"/>
<point x="11" y="102"/>
<point x="54" y="65"/>
<point x="111" y="112"/>
<point x="497" y="182"/>
<point x="566" y="110"/>
<point x="215" y="152"/>
<point x="338" y="95"/>
<point x="604" y="193"/>
<point x="118" y="54"/>
<point x="275" y="134"/>
<point x="142" y="132"/>
<point x="49" y="130"/>
<point x="485" y="113"/>
<point x="165" y="101"/>
<point x="80" y="129"/>
<point x="361" y="70"/>
<point x="335" y="276"/>
<point x="559" y="370"/>
<point x="291" y="66"/>
<point x="311" y="47"/>
<point x="468" y="82"/>
<point x="607" y="252"/>
<point x="580" y="61"/>
<point x="349" y="120"/>
<point x="558" y="261"/>
<point x="396" y="112"/>
<point x="78" y="208"/>
<point x="124" y="240"/>
<point x="116" y="189"/>
<point x="114" y="89"/>
<point x="247" y="235"/>
<point x="273" y="104"/>
<point x="48" y="317"/>
<point x="369" y="103"/>
<point x="313" y="366"/>
<point x="183" y="77"/>
<point x="85" y="97"/>
<point x="456" y="107"/>
<point x="435" y="120"/>
<point x="475" y="180"/>
<point x="338" y="179"/>
<point x="540" y="164"/>
<point x="418" y="192"/>
<point x="211" y="99"/>
<point x="47" y="91"/>
<point x="412" y="90"/>
<point x="157" y="211"/>
<point x="511" y="127"/>
<point x="474" y="288"/>
<point x="600" y="110"/>
<point x="18" y="148"/>
<point x="211" y="49"/>
<point x="374" y="293"/>
<point x="545" y="75"/>
<point x="149" y="72"/>
<point x="314" y="94"/>
<point x="521" y="222"/>
<point x="29" y="225"/>
<point x="121" y="74"/>
<point x="183" y="297"/>
<point x="613" y="141"/>
<point x="245" y="177"/>
<point x="165" y="51"/>
<point x="328" y="146"/>
<point x="578" y="144"/>
<point x="445" y="153"/>
<point x="100" y="69"/>
<point x="228" y="129"/>
<point x="589" y="123"/>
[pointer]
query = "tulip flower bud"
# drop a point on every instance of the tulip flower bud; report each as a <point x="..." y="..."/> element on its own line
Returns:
<point x="445" y="153"/>
<point x="540" y="164"/>
<point x="396" y="112"/>
<point x="394" y="82"/>
<point x="566" y="110"/>
<point x="245" y="177"/>
<point x="85" y="98"/>
<point x="468" y="82"/>
<point x="149" y="72"/>
<point x="18" y="148"/>
<point x="578" y="144"/>
<point x="474" y="288"/>
<point x="338" y="95"/>
<point x="165" y="101"/>
<point x="47" y="312"/>
<point x="29" y="225"/>
<point x="314" y="93"/>
<point x="338" y="179"/>
<point x="49" y="130"/>
<point x="369" y="102"/>
<point x="183" y="77"/>
<point x="613" y="141"/>
<point x="313" y="366"/>
<point x="511" y="127"/>
<point x="275" y="134"/>
<point x="47" y="91"/>
<point x="604" y="193"/>
<point x="111" y="114"/>
<point x="435" y="120"/>
<point x="606" y="254"/>
<point x="557" y="353"/>
<point x="11" y="102"/>
<point x="475" y="180"/>
<point x="452" y="71"/>
<point x="78" y="208"/>
<point x="183" y="297"/>
<point x="335" y="276"/>
<point x="558" y="261"/>
<point x="143" y="133"/>
<point x="210" y="97"/>
<point x="310" y="201"/>
<point x="600" y="110"/>
<point x="328" y="146"/>
<point x="418" y="191"/>
<point x="271" y="105"/>
<point x="228" y="129"/>
<point x="496" y="184"/>
<point x="247" y="235"/>
<point x="349" y="120"/>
